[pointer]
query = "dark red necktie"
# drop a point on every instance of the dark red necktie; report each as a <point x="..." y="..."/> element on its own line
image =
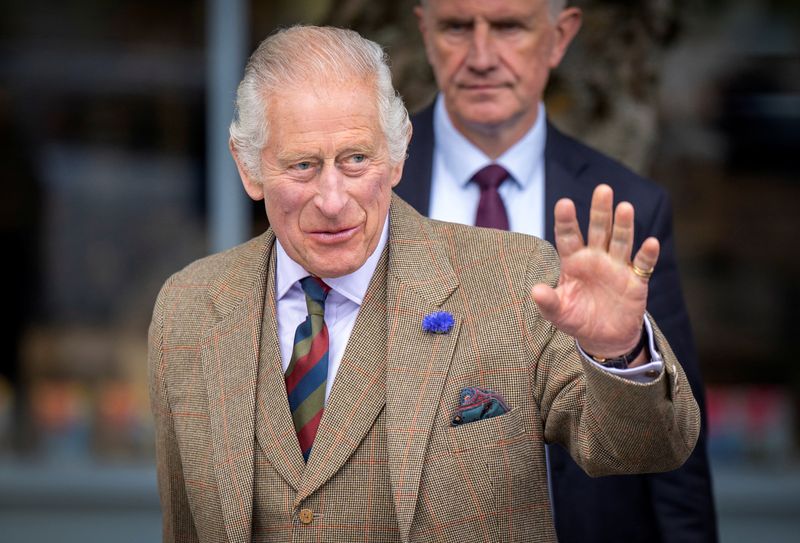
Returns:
<point x="491" y="211"/>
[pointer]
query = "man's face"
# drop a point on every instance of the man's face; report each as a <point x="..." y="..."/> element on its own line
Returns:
<point x="492" y="58"/>
<point x="326" y="179"/>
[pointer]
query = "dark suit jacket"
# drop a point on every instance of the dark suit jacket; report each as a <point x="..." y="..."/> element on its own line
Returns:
<point x="668" y="507"/>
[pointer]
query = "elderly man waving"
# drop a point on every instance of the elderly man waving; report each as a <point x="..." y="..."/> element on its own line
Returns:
<point x="361" y="373"/>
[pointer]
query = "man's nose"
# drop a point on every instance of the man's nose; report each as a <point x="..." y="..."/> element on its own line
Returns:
<point x="482" y="56"/>
<point x="331" y="197"/>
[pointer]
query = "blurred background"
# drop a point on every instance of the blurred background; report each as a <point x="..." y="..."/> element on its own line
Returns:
<point x="113" y="119"/>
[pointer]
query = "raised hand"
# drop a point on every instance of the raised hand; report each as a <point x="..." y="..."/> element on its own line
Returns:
<point x="601" y="295"/>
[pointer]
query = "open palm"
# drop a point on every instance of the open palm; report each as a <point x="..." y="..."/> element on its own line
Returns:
<point x="600" y="300"/>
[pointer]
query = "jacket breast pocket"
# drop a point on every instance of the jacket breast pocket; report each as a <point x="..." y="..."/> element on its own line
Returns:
<point x="487" y="433"/>
<point x="504" y="461"/>
<point x="466" y="488"/>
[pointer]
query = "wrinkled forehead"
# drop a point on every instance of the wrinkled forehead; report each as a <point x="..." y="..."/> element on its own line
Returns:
<point x="490" y="8"/>
<point x="336" y="96"/>
<point x="322" y="86"/>
<point x="320" y="115"/>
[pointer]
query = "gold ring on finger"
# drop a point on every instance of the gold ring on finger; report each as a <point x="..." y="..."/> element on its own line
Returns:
<point x="644" y="274"/>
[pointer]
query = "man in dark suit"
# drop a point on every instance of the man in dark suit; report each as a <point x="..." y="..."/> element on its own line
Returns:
<point x="491" y="61"/>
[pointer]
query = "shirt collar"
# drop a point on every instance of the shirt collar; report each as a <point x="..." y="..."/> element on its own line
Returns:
<point x="463" y="159"/>
<point x="352" y="286"/>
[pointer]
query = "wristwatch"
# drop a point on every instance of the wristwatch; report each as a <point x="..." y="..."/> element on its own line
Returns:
<point x="621" y="362"/>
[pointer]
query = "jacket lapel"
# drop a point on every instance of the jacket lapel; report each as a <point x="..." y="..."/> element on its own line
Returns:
<point x="275" y="430"/>
<point x="359" y="391"/>
<point x="230" y="361"/>
<point x="420" y="280"/>
<point x="415" y="185"/>
<point x="416" y="365"/>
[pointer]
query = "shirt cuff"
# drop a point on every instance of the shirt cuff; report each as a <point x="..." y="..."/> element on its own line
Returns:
<point x="645" y="373"/>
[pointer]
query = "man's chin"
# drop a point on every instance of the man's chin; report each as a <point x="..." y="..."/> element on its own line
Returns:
<point x="333" y="266"/>
<point x="486" y="113"/>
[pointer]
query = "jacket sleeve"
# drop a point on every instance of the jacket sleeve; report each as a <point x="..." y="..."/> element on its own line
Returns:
<point x="177" y="524"/>
<point x="610" y="425"/>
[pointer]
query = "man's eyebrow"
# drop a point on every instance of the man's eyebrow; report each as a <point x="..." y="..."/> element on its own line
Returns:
<point x="508" y="20"/>
<point x="500" y="20"/>
<point x="453" y="19"/>
<point x="294" y="156"/>
<point x="366" y="148"/>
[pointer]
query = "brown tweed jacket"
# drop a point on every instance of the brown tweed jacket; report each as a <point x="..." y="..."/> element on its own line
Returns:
<point x="392" y="400"/>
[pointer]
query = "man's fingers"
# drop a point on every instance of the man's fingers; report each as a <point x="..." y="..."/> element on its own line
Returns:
<point x="600" y="217"/>
<point x="645" y="260"/>
<point x="621" y="243"/>
<point x="567" y="232"/>
<point x="548" y="301"/>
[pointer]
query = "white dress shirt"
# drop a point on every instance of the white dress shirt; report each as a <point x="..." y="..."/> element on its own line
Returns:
<point x="455" y="199"/>
<point x="341" y="305"/>
<point x="456" y="160"/>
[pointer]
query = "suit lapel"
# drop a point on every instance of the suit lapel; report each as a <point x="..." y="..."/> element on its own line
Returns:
<point x="562" y="171"/>
<point x="229" y="357"/>
<point x="416" y="365"/>
<point x="275" y="430"/>
<point x="359" y="391"/>
<point x="415" y="185"/>
<point x="420" y="280"/>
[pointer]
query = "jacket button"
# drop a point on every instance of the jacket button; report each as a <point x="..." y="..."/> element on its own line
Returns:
<point x="652" y="374"/>
<point x="306" y="516"/>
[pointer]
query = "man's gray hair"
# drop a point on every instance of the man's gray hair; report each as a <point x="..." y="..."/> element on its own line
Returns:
<point x="308" y="57"/>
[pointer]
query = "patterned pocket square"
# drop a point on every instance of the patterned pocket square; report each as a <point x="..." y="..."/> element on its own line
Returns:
<point x="478" y="404"/>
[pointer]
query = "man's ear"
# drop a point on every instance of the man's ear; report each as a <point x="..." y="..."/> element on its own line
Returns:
<point x="397" y="169"/>
<point x="567" y="26"/>
<point x="419" y="12"/>
<point x="397" y="173"/>
<point x="252" y="186"/>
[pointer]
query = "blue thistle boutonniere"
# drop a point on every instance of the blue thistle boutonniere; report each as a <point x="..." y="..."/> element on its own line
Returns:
<point x="438" y="322"/>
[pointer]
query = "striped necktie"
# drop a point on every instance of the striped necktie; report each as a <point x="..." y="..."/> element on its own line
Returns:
<point x="308" y="368"/>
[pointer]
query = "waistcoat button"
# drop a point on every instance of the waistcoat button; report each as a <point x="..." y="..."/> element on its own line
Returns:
<point x="306" y="516"/>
